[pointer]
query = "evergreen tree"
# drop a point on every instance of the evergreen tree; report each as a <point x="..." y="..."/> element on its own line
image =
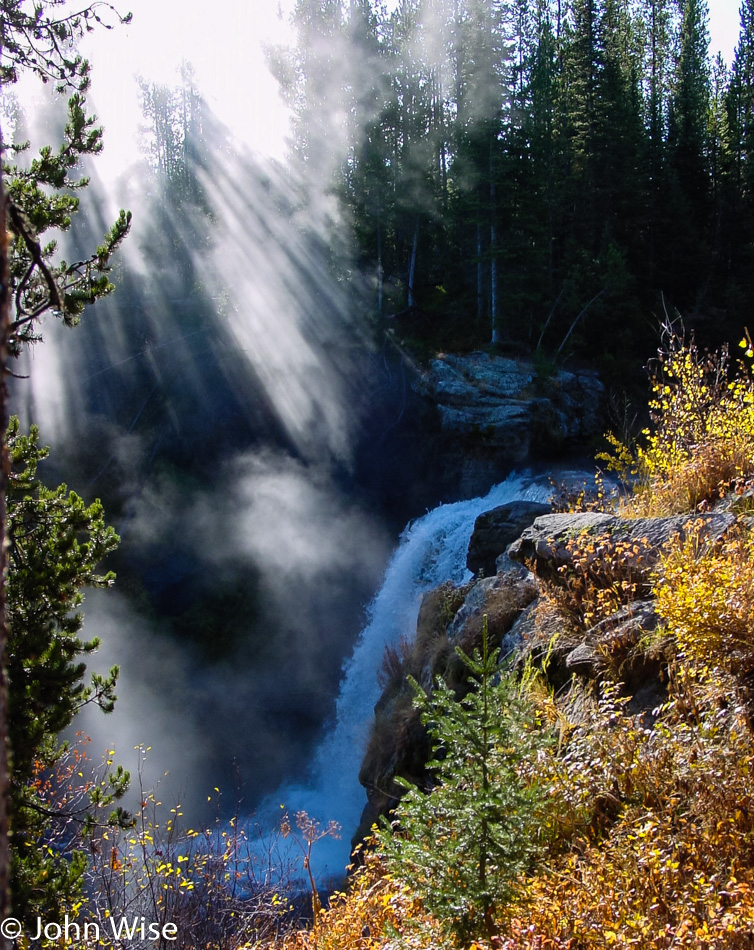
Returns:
<point x="56" y="543"/>
<point x="741" y="103"/>
<point x="582" y="68"/>
<point x="42" y="198"/>
<point x="690" y="104"/>
<point x="366" y="179"/>
<point x="463" y="841"/>
<point x="660" y="20"/>
<point x="484" y="97"/>
<point x="174" y="136"/>
<point x="688" y="151"/>
<point x="36" y="41"/>
<point x="718" y="137"/>
<point x="740" y="128"/>
<point x="545" y="147"/>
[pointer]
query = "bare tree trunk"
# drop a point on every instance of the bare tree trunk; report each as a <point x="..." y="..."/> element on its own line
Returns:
<point x="412" y="267"/>
<point x="379" y="267"/>
<point x="479" y="274"/>
<point x="4" y="475"/>
<point x="496" y="334"/>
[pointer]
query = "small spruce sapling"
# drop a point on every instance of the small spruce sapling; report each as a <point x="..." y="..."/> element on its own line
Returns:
<point x="461" y="845"/>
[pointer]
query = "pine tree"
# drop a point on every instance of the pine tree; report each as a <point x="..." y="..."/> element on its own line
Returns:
<point x="659" y="59"/>
<point x="689" y="116"/>
<point x="740" y="122"/>
<point x="36" y="41"/>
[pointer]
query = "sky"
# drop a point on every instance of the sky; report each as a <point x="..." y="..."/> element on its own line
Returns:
<point x="724" y="26"/>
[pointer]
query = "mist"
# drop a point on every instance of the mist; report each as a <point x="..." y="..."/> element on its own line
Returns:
<point x="216" y="403"/>
<point x="232" y="665"/>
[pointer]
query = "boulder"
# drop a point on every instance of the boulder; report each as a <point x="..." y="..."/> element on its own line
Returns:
<point x="545" y="544"/>
<point x="584" y="659"/>
<point x="494" y="530"/>
<point x="501" y="598"/>
<point x="612" y="639"/>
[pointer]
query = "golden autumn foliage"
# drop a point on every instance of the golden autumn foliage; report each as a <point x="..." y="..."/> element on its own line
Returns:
<point x="702" y="434"/>
<point x="375" y="907"/>
<point x="706" y="597"/>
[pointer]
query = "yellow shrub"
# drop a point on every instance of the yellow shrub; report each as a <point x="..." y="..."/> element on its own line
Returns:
<point x="374" y="907"/>
<point x="706" y="598"/>
<point x="671" y="862"/>
<point x="702" y="433"/>
<point x="604" y="575"/>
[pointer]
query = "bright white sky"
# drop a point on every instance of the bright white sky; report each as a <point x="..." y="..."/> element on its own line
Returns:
<point x="225" y="47"/>
<point x="724" y="26"/>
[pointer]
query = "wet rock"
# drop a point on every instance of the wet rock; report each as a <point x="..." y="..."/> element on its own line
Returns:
<point x="501" y="599"/>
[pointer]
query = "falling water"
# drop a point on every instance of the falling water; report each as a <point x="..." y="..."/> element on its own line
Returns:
<point x="432" y="550"/>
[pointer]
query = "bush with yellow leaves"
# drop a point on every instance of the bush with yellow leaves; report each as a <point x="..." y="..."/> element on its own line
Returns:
<point x="375" y="908"/>
<point x="667" y="857"/>
<point x="603" y="575"/>
<point x="705" y="595"/>
<point x="702" y="433"/>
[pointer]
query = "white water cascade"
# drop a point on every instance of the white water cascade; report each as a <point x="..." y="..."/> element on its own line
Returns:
<point x="432" y="550"/>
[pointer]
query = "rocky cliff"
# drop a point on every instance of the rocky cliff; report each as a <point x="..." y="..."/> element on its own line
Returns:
<point x="539" y="610"/>
<point x="494" y="413"/>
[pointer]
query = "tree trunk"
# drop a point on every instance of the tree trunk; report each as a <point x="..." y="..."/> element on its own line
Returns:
<point x="496" y="334"/>
<point x="479" y="274"/>
<point x="379" y="267"/>
<point x="5" y="943"/>
<point x="412" y="267"/>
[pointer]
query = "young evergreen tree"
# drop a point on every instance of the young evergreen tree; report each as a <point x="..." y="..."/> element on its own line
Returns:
<point x="462" y="842"/>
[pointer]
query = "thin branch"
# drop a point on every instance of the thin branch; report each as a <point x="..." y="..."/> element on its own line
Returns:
<point x="550" y="316"/>
<point x="20" y="227"/>
<point x="579" y="316"/>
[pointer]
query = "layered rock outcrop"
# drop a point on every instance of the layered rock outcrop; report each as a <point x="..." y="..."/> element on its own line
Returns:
<point x="545" y="545"/>
<point x="495" y="412"/>
<point x="528" y="622"/>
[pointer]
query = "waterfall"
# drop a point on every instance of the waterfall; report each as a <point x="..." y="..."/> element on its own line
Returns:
<point x="432" y="550"/>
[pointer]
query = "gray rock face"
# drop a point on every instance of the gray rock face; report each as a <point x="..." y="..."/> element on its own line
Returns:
<point x="496" y="529"/>
<point x="500" y="598"/>
<point x="613" y="638"/>
<point x="545" y="543"/>
<point x="502" y="404"/>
